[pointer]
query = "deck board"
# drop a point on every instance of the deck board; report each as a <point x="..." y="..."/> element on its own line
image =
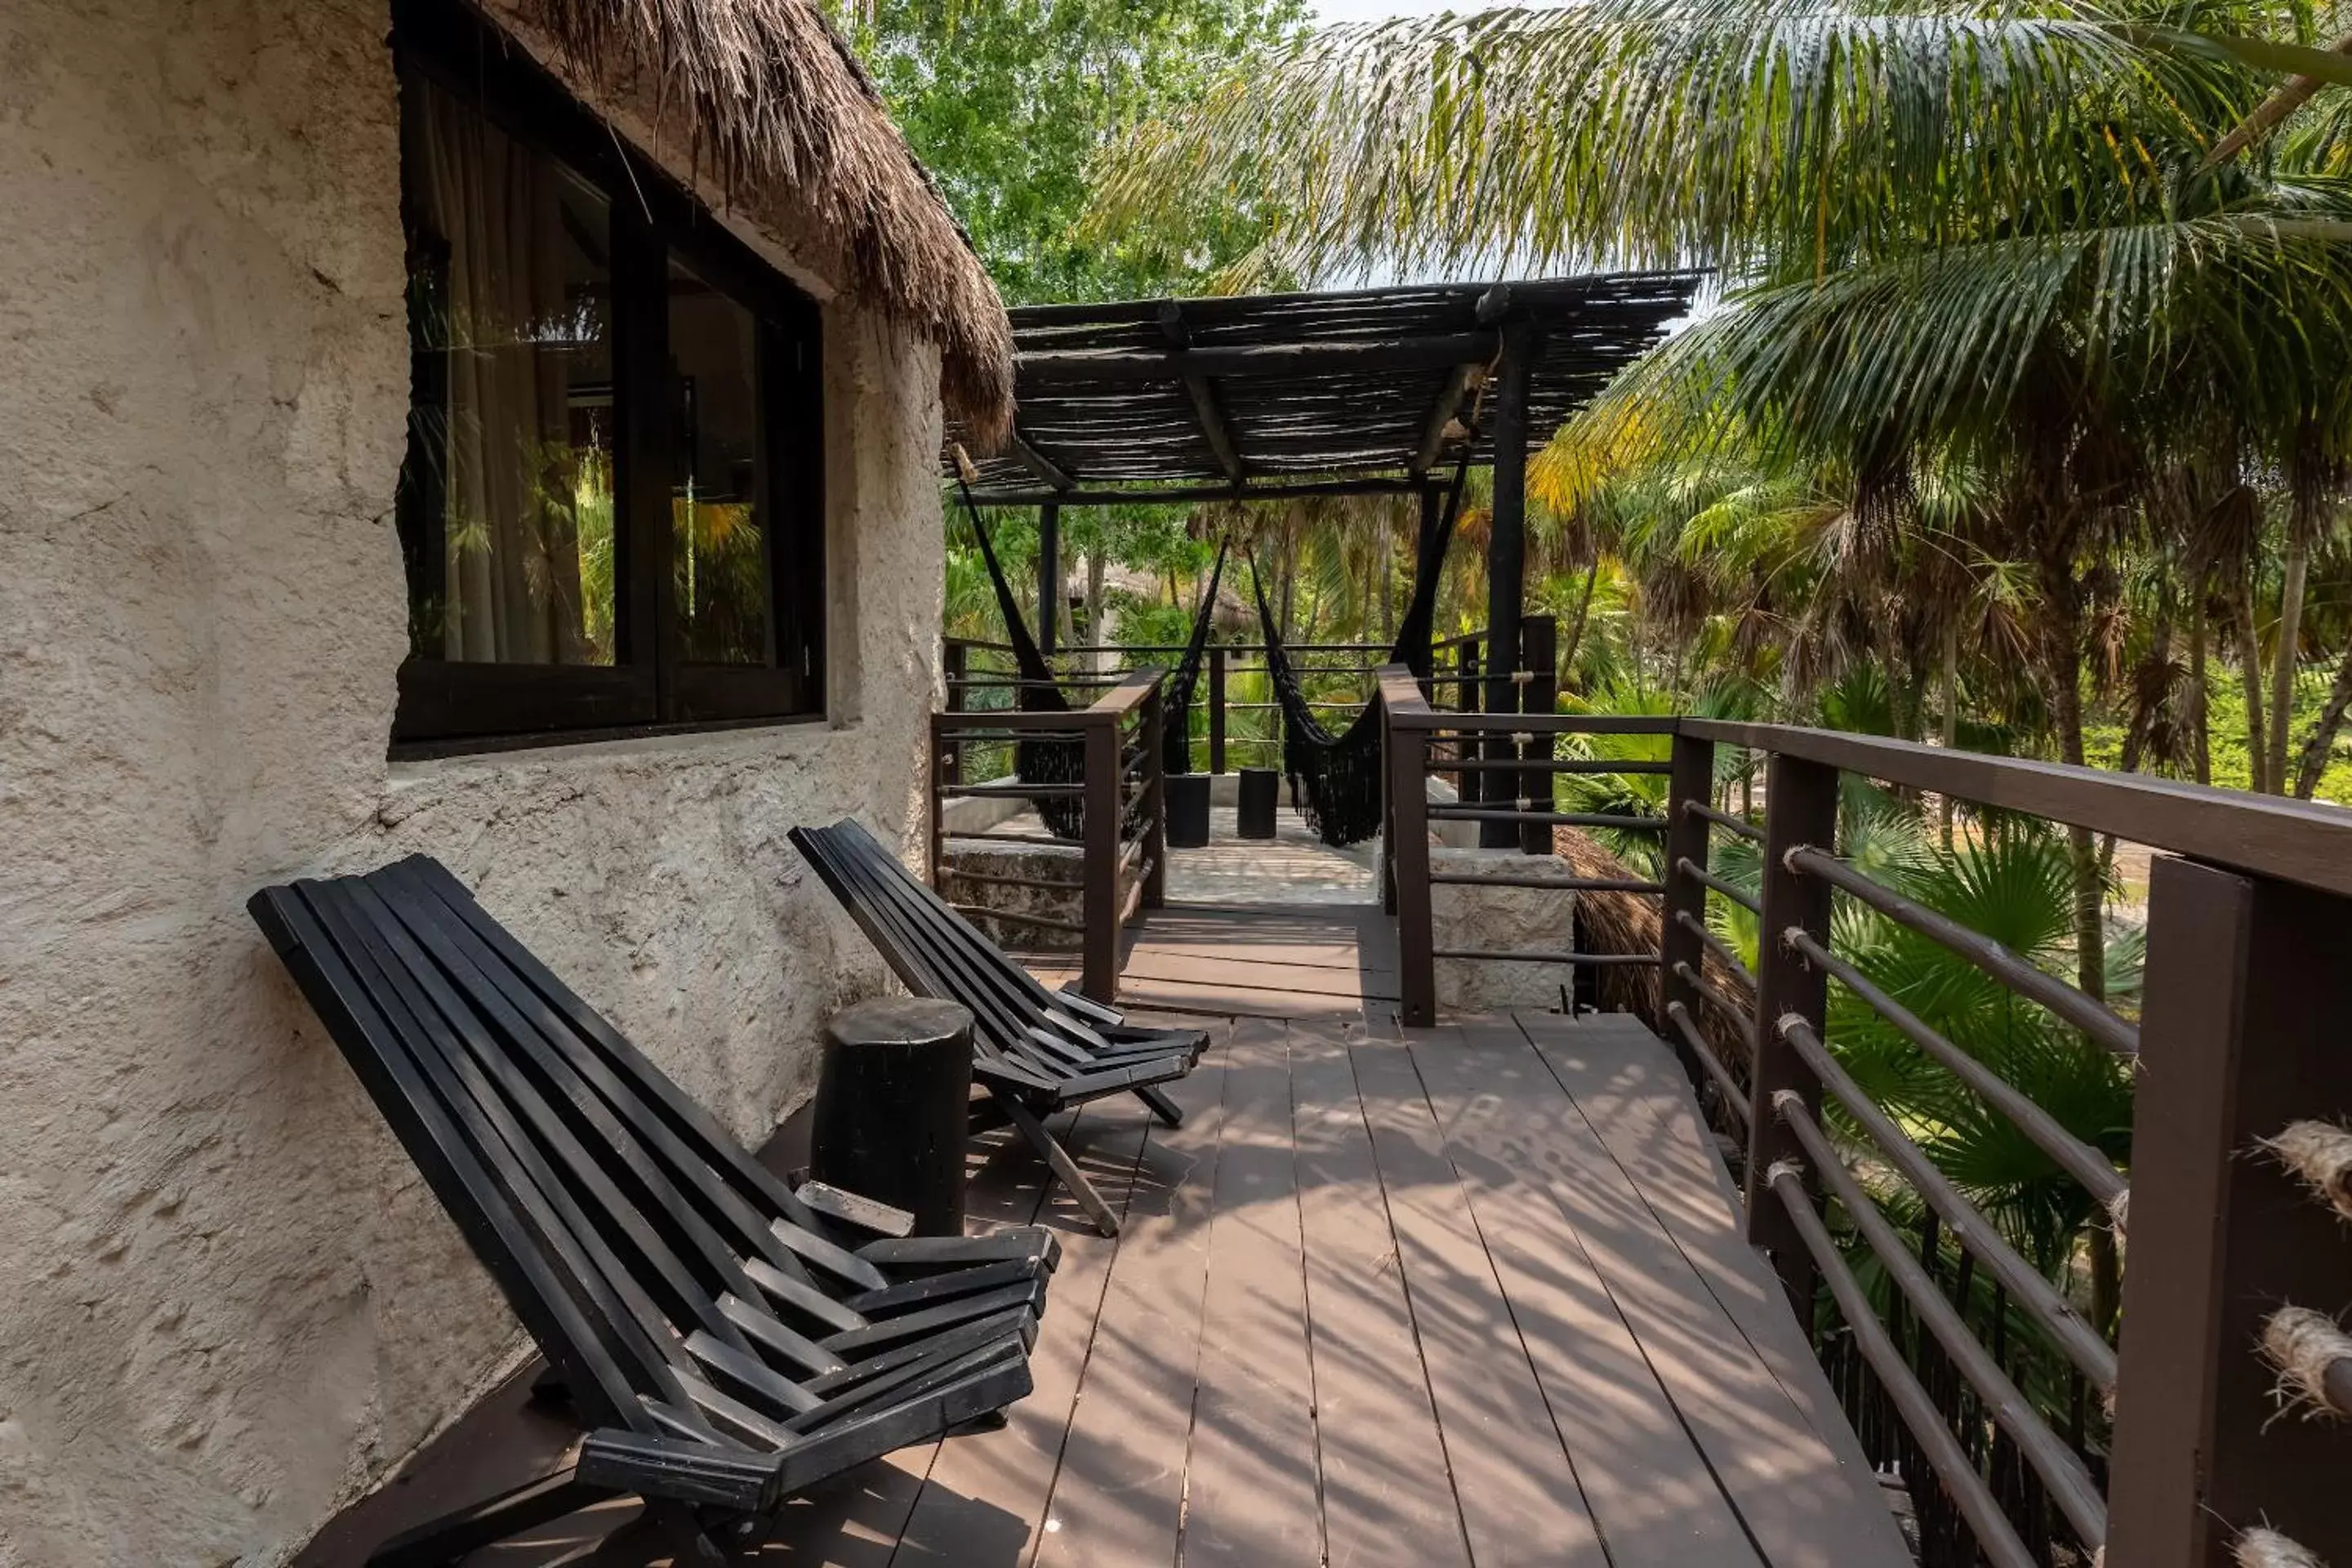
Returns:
<point x="985" y="1497"/>
<point x="1387" y="1491"/>
<point x="1120" y="1496"/>
<point x="1520" y="1498"/>
<point x="1251" y="1475"/>
<point x="1499" y="1108"/>
<point x="1762" y="1451"/>
<point x="1632" y="1095"/>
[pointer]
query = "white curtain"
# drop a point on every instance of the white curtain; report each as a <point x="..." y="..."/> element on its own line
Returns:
<point x="513" y="335"/>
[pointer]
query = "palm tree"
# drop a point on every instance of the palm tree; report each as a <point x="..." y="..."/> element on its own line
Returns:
<point x="1965" y="233"/>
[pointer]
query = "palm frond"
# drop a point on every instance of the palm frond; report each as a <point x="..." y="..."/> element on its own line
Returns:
<point x="1672" y="130"/>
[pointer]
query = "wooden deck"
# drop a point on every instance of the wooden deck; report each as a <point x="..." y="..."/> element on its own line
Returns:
<point x="1473" y="1295"/>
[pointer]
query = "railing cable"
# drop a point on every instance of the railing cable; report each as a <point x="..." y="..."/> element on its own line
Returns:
<point x="2081" y="1343"/>
<point x="2076" y="1158"/>
<point x="2070" y="1483"/>
<point x="2095" y="1019"/>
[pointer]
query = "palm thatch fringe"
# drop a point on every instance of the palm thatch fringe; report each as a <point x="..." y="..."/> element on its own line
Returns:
<point x="1632" y="922"/>
<point x="775" y="107"/>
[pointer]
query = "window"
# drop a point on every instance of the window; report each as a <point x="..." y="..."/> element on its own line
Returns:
<point x="612" y="511"/>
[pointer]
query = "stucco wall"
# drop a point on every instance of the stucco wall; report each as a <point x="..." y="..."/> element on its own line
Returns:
<point x="226" y="1301"/>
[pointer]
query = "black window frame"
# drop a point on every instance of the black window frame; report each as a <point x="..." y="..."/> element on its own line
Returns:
<point x="448" y="707"/>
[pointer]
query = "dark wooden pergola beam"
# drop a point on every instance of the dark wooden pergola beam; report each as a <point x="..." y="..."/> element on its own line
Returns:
<point x="1387" y="485"/>
<point x="1506" y="548"/>
<point x="1213" y="425"/>
<point x="1441" y="415"/>
<point x="1049" y="572"/>
<point x="1435" y="351"/>
<point x="1037" y="462"/>
<point x="1205" y="408"/>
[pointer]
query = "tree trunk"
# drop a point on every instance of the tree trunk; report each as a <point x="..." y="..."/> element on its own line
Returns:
<point x="2065" y="658"/>
<point x="2145" y="702"/>
<point x="1576" y="627"/>
<point x="2083" y="850"/>
<point x="1098" y="562"/>
<point x="2106" y="1279"/>
<point x="1388" y="587"/>
<point x="2249" y="672"/>
<point x="2312" y="763"/>
<point x="2201" y="733"/>
<point x="2290" y="639"/>
<point x="1948" y="723"/>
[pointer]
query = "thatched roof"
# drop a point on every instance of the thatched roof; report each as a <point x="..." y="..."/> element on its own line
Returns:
<point x="1632" y="922"/>
<point x="772" y="105"/>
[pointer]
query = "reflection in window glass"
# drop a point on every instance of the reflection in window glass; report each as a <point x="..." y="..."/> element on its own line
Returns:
<point x="719" y="552"/>
<point x="507" y="500"/>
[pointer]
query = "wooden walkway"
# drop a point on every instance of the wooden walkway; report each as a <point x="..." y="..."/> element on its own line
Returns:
<point x="1473" y="1295"/>
<point x="1304" y="960"/>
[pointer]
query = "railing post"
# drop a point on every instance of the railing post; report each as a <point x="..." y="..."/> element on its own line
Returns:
<point x="1468" y="782"/>
<point x="1800" y="808"/>
<point x="1216" y="709"/>
<point x="1405" y="745"/>
<point x="956" y="657"/>
<point x="2240" y="1034"/>
<point x="943" y="771"/>
<point x="1686" y="839"/>
<point x="1540" y="642"/>
<point x="1155" y="800"/>
<point x="1098" y="961"/>
<point x="1388" y="817"/>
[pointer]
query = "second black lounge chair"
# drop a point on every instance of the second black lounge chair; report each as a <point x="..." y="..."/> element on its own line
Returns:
<point x="723" y="1341"/>
<point x="1035" y="1051"/>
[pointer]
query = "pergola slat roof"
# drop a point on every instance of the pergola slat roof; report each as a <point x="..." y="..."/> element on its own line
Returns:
<point x="1364" y="390"/>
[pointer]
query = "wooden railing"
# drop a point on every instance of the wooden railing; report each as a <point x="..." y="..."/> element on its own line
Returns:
<point x="1099" y="765"/>
<point x="1507" y="762"/>
<point x="979" y="672"/>
<point x="1994" y="1403"/>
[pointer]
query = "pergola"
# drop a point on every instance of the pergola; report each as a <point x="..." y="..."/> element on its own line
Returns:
<point x="1274" y="396"/>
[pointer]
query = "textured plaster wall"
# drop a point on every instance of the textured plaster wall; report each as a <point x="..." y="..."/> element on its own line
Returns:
<point x="226" y="1301"/>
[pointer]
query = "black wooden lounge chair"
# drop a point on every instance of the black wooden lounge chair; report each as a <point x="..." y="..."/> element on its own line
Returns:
<point x="723" y="1342"/>
<point x="1035" y="1051"/>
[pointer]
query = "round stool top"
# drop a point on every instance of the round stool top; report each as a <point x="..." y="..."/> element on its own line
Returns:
<point x="898" y="1020"/>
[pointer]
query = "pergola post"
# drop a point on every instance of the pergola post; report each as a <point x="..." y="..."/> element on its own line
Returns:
<point x="1049" y="576"/>
<point x="1506" y="547"/>
<point x="1432" y="518"/>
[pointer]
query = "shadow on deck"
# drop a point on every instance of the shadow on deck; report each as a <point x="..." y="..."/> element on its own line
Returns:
<point x="1470" y="1294"/>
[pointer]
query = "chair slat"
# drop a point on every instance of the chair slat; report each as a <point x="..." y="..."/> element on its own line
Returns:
<point x="485" y="1079"/>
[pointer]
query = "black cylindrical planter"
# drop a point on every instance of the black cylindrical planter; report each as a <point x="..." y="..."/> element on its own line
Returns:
<point x="1260" y="789"/>
<point x="1188" y="811"/>
<point x="893" y="1107"/>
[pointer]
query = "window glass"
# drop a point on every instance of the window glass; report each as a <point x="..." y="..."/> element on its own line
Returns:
<point x="717" y="516"/>
<point x="507" y="500"/>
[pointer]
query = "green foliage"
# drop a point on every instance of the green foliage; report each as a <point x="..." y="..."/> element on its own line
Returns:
<point x="1008" y="102"/>
<point x="2016" y="889"/>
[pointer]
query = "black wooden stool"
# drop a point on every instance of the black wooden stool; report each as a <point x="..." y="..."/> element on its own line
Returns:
<point x="894" y="1107"/>
<point x="1188" y="811"/>
<point x="1260" y="789"/>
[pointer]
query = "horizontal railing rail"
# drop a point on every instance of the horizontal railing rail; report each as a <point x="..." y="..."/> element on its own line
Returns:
<point x="977" y="670"/>
<point x="1511" y="753"/>
<point x="2305" y="842"/>
<point x="1110" y="750"/>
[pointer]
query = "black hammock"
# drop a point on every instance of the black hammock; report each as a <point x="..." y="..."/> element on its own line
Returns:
<point x="1337" y="778"/>
<point x="1059" y="761"/>
<point x="1176" y="691"/>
